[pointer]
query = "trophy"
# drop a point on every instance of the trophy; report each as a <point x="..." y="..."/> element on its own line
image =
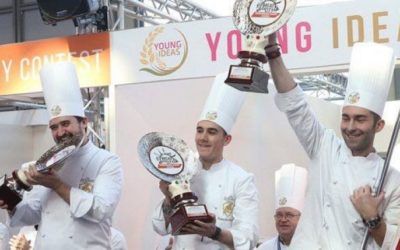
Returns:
<point x="256" y="19"/>
<point x="12" y="187"/>
<point x="170" y="159"/>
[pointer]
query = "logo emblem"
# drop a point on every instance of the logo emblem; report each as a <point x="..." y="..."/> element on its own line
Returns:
<point x="86" y="185"/>
<point x="211" y="115"/>
<point x="228" y="206"/>
<point x="56" y="110"/>
<point x="282" y="201"/>
<point x="166" y="160"/>
<point x="353" y="97"/>
<point x="265" y="12"/>
<point x="163" y="52"/>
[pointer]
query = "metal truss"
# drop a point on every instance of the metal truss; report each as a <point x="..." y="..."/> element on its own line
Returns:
<point x="139" y="13"/>
<point x="330" y="87"/>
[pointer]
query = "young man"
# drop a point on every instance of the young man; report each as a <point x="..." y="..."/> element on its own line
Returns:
<point x="226" y="189"/>
<point x="290" y="188"/>
<point x="73" y="206"/>
<point x="344" y="173"/>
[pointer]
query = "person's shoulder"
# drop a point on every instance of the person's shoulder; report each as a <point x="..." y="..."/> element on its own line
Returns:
<point x="268" y="244"/>
<point x="237" y="171"/>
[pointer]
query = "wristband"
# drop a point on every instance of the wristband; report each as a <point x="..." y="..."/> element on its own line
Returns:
<point x="373" y="222"/>
<point x="217" y="233"/>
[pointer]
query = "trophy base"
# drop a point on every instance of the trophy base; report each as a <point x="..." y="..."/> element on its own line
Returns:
<point x="20" y="178"/>
<point x="186" y="214"/>
<point x="248" y="78"/>
<point x="10" y="196"/>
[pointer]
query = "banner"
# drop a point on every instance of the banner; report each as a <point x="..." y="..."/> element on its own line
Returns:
<point x="317" y="39"/>
<point x="20" y="63"/>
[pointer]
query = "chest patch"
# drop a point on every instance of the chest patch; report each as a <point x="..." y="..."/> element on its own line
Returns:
<point x="86" y="185"/>
<point x="228" y="206"/>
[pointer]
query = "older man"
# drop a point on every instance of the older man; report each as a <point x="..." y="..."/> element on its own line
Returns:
<point x="290" y="188"/>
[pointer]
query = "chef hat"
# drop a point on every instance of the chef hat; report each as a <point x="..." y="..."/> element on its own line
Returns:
<point x="61" y="90"/>
<point x="290" y="186"/>
<point x="223" y="103"/>
<point x="370" y="76"/>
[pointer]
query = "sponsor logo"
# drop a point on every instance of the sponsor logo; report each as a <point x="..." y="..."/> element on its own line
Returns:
<point x="163" y="52"/>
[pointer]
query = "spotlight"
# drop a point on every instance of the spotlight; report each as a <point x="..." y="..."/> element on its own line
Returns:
<point x="53" y="11"/>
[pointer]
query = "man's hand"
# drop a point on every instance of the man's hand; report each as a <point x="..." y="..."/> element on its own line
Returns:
<point x="163" y="185"/>
<point x="48" y="179"/>
<point x="365" y="203"/>
<point x="201" y="228"/>
<point x="170" y="243"/>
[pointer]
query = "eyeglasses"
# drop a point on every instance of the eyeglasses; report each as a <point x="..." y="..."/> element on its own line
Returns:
<point x="287" y="216"/>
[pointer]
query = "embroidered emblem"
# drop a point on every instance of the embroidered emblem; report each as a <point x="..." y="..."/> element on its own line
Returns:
<point x="86" y="185"/>
<point x="228" y="206"/>
<point x="211" y="115"/>
<point x="353" y="97"/>
<point x="282" y="201"/>
<point x="56" y="110"/>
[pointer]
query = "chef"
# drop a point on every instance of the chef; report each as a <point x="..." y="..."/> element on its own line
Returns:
<point x="74" y="205"/>
<point x="344" y="172"/>
<point x="290" y="189"/>
<point x="226" y="189"/>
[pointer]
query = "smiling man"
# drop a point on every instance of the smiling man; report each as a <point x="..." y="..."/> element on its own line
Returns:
<point x="227" y="190"/>
<point x="290" y="189"/>
<point x="73" y="206"/>
<point x="344" y="173"/>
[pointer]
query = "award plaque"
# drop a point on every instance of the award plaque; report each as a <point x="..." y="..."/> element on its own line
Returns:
<point x="170" y="159"/>
<point x="12" y="187"/>
<point x="256" y="19"/>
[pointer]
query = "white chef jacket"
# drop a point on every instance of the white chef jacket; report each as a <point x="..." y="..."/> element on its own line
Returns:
<point x="230" y="193"/>
<point x="272" y="244"/>
<point x="4" y="237"/>
<point x="329" y="220"/>
<point x="118" y="241"/>
<point x="95" y="177"/>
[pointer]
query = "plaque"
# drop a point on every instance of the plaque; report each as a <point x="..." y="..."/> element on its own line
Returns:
<point x="170" y="159"/>
<point x="12" y="187"/>
<point x="256" y="19"/>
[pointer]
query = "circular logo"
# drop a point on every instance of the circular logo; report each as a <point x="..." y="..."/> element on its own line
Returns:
<point x="262" y="16"/>
<point x="166" y="160"/>
<point x="164" y="51"/>
<point x="266" y="12"/>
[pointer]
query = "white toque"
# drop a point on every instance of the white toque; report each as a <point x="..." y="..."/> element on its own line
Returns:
<point x="61" y="90"/>
<point x="370" y="76"/>
<point x="290" y="186"/>
<point x="223" y="103"/>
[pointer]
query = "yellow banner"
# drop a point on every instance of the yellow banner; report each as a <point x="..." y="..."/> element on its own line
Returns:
<point x="20" y="63"/>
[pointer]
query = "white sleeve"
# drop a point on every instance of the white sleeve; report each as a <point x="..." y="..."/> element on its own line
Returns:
<point x="245" y="224"/>
<point x="308" y="129"/>
<point x="158" y="220"/>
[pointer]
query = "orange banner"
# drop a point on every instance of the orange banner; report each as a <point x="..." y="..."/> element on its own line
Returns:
<point x="20" y="63"/>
